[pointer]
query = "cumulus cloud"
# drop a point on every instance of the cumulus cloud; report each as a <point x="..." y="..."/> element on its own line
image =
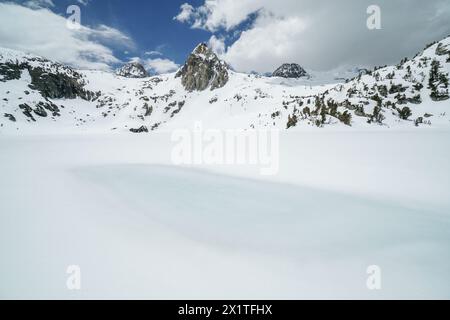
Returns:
<point x="42" y="32"/>
<point x="319" y="34"/>
<point x="214" y="14"/>
<point x="267" y="44"/>
<point x="187" y="13"/>
<point x="217" y="45"/>
<point x="155" y="65"/>
<point x="160" y="66"/>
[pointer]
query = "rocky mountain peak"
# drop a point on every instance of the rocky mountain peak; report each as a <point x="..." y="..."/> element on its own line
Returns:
<point x="132" y="70"/>
<point x="203" y="69"/>
<point x="202" y="48"/>
<point x="290" y="70"/>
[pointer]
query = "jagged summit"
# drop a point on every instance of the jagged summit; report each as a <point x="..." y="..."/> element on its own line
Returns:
<point x="203" y="69"/>
<point x="202" y="48"/>
<point x="204" y="52"/>
<point x="132" y="70"/>
<point x="290" y="70"/>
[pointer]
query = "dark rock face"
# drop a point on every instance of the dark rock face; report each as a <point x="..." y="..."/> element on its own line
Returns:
<point x="26" y="109"/>
<point x="203" y="69"/>
<point x="132" y="70"/>
<point x="40" y="111"/>
<point x="58" y="85"/>
<point x="49" y="106"/>
<point x="142" y="129"/>
<point x="10" y="117"/>
<point x="290" y="70"/>
<point x="10" y="71"/>
<point x="53" y="81"/>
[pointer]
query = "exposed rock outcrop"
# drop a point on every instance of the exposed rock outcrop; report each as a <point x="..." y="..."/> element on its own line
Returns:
<point x="10" y="71"/>
<point x="290" y="70"/>
<point x="58" y="85"/>
<point x="132" y="70"/>
<point x="202" y="70"/>
<point x="52" y="80"/>
<point x="10" y="117"/>
<point x="141" y="129"/>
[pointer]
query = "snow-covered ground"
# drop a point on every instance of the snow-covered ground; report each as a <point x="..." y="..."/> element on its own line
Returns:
<point x="140" y="227"/>
<point x="363" y="181"/>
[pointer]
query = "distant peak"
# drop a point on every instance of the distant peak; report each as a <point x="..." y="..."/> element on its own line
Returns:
<point x="203" y="69"/>
<point x="132" y="69"/>
<point x="290" y="70"/>
<point x="134" y="63"/>
<point x="201" y="48"/>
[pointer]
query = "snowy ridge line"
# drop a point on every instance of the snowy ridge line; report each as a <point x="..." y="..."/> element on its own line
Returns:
<point x="41" y="96"/>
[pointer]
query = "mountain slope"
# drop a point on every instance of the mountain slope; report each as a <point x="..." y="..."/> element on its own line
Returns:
<point x="38" y="95"/>
<point x="415" y="90"/>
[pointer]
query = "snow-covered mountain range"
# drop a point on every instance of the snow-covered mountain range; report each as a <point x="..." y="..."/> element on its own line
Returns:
<point x="38" y="95"/>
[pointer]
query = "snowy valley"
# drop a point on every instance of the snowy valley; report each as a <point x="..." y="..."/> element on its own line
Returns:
<point x="87" y="179"/>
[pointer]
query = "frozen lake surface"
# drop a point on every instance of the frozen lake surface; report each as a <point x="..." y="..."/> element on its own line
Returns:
<point x="139" y="227"/>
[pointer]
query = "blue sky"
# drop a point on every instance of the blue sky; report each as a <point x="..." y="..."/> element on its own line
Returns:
<point x="250" y="35"/>
<point x="150" y="24"/>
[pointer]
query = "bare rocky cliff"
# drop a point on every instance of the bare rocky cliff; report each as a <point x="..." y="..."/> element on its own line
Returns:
<point x="203" y="70"/>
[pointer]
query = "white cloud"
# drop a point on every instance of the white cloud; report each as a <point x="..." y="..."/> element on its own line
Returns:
<point x="153" y="53"/>
<point x="108" y="35"/>
<point x="36" y="4"/>
<point x="45" y="33"/>
<point x="135" y="59"/>
<point x="157" y="65"/>
<point x="319" y="34"/>
<point x="186" y="13"/>
<point x="214" y="14"/>
<point x="269" y="43"/>
<point x="217" y="45"/>
<point x="160" y="66"/>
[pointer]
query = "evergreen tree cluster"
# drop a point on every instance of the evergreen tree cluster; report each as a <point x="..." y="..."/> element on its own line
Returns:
<point x="438" y="82"/>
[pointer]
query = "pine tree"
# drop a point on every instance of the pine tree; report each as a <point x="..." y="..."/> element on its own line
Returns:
<point x="438" y="82"/>
<point x="377" y="116"/>
<point x="404" y="113"/>
<point x="346" y="118"/>
<point x="292" y="121"/>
